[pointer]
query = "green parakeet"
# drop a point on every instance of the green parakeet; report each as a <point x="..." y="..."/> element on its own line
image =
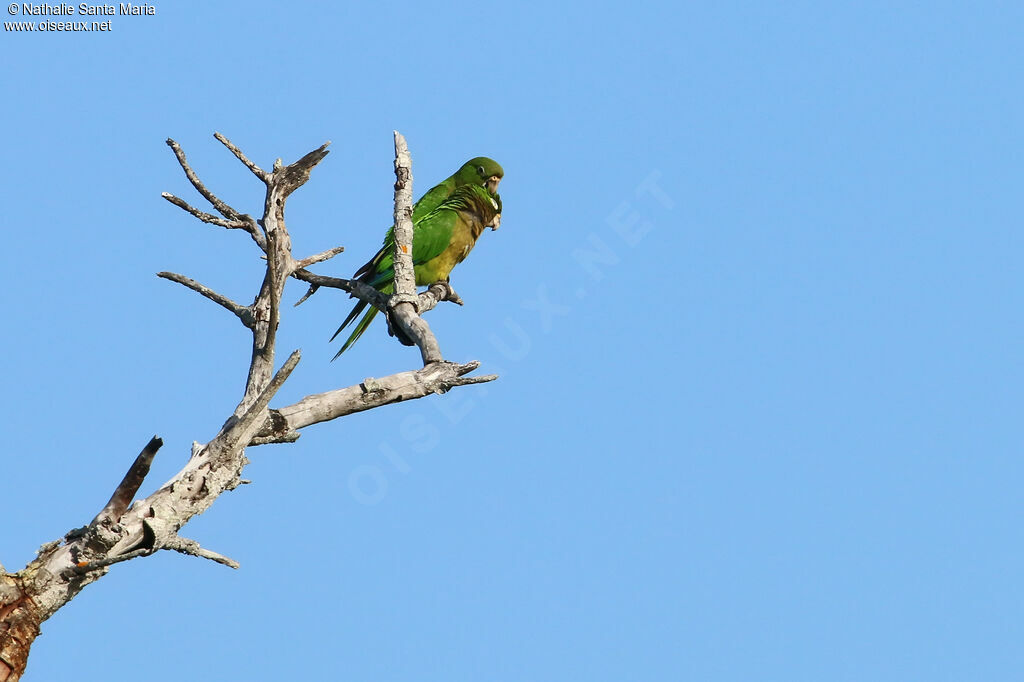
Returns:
<point x="447" y="221"/>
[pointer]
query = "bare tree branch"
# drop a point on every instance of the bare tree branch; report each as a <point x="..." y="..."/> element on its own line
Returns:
<point x="130" y="484"/>
<point x="309" y="292"/>
<point x="360" y="290"/>
<point x="256" y="170"/>
<point x="235" y="220"/>
<point x="319" y="258"/>
<point x="243" y="312"/>
<point x="122" y="530"/>
<point x="191" y="547"/>
<point x="280" y="264"/>
<point x="314" y="409"/>
<point x="428" y="300"/>
<point x="402" y="306"/>
<point x="247" y="422"/>
<point x="203" y="215"/>
<point x="288" y="437"/>
<point x="435" y="293"/>
<point x="296" y="174"/>
<point x="405" y="275"/>
<point x="88" y="566"/>
<point x="222" y="208"/>
<point x="19" y="626"/>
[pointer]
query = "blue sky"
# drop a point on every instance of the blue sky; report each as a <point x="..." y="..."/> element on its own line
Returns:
<point x="759" y="424"/>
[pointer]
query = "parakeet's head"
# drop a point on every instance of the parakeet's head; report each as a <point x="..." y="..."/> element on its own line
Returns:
<point x="480" y="171"/>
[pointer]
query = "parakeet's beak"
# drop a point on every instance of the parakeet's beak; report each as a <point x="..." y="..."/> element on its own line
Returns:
<point x="492" y="184"/>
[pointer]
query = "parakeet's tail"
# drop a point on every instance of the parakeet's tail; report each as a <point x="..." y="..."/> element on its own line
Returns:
<point x="360" y="328"/>
<point x="363" y="323"/>
<point x="358" y="308"/>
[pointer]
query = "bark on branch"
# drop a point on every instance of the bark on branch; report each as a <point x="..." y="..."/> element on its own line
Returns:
<point x="124" y="530"/>
<point x="402" y="306"/>
<point x="282" y="424"/>
<point x="242" y="312"/>
<point x="130" y="484"/>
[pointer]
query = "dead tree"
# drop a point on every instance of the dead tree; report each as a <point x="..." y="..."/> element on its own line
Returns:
<point x="123" y="530"/>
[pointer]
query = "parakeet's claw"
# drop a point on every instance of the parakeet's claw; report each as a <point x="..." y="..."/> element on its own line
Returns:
<point x="496" y="223"/>
<point x="449" y="293"/>
<point x="395" y="331"/>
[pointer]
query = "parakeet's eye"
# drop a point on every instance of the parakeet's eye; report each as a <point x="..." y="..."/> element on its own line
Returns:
<point x="480" y="170"/>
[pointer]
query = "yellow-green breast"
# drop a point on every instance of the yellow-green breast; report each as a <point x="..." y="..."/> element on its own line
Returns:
<point x="467" y="230"/>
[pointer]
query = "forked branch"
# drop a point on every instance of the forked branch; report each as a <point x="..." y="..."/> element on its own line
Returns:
<point x="124" y="530"/>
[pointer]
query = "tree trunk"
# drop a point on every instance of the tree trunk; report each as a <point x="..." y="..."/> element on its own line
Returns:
<point x="19" y="626"/>
<point x="123" y="531"/>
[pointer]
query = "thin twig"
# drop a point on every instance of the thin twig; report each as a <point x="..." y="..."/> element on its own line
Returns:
<point x="192" y="548"/>
<point x="467" y="381"/>
<point x="203" y="215"/>
<point x="361" y="290"/>
<point x="244" y="222"/>
<point x="318" y="258"/>
<point x="108" y="561"/>
<point x="309" y="292"/>
<point x="256" y="170"/>
<point x="243" y="313"/>
<point x="221" y="207"/>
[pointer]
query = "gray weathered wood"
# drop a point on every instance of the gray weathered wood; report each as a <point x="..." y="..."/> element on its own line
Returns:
<point x="122" y="531"/>
<point x="402" y="306"/>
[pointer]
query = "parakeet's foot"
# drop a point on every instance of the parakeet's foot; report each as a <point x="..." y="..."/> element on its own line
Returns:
<point x="450" y="293"/>
<point x="396" y="331"/>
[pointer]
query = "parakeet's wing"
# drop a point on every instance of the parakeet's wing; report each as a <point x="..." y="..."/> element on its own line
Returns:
<point x="431" y="236"/>
<point x="431" y="200"/>
<point x="428" y="203"/>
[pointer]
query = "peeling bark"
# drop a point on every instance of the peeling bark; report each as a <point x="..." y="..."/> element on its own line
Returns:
<point x="123" y="530"/>
<point x="19" y="627"/>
